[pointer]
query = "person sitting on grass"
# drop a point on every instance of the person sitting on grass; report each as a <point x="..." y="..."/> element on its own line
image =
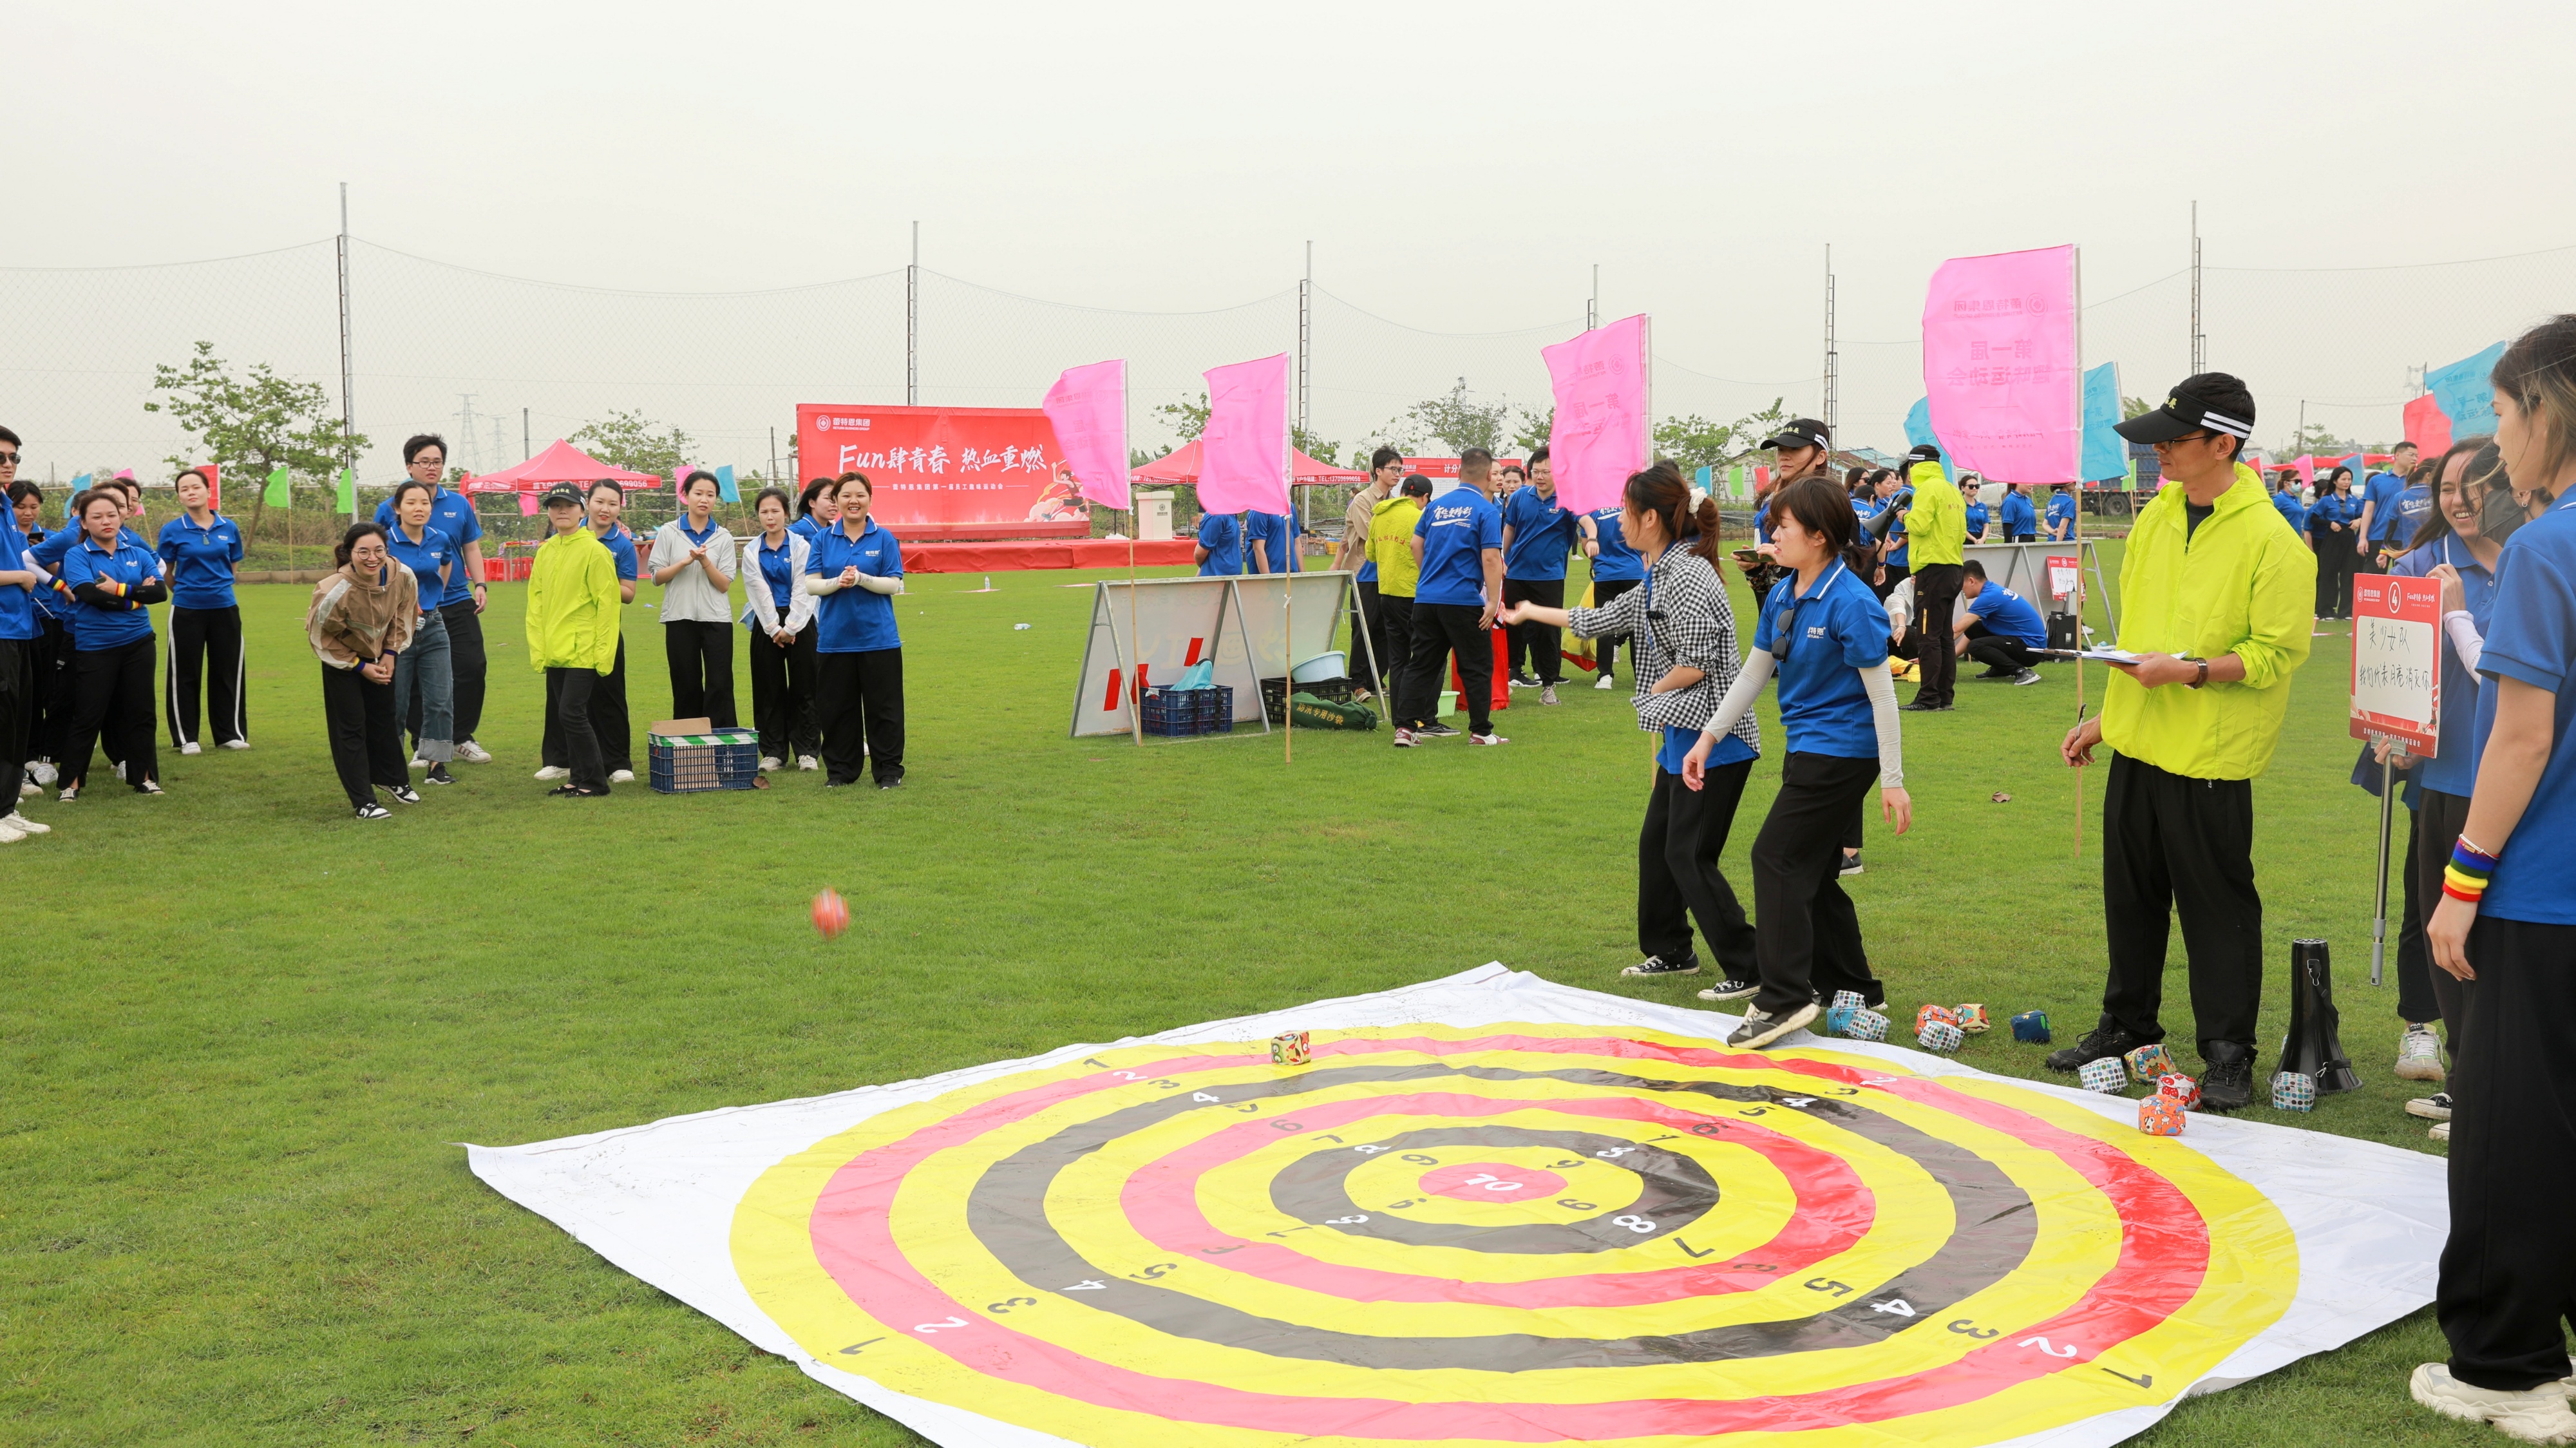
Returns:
<point x="573" y="604"/>
<point x="1999" y="629"/>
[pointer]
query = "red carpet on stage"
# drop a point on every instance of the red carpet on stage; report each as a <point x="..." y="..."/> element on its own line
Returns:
<point x="1020" y="554"/>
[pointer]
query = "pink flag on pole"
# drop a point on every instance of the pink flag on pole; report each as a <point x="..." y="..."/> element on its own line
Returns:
<point x="2000" y="365"/>
<point x="527" y="505"/>
<point x="1600" y="434"/>
<point x="2306" y="463"/>
<point x="1088" y="408"/>
<point x="2427" y="426"/>
<point x="1243" y="451"/>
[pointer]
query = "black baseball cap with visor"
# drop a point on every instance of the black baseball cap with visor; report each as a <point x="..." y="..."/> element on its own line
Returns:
<point x="2205" y="402"/>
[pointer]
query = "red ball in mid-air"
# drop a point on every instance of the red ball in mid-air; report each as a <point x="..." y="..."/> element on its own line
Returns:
<point x="831" y="914"/>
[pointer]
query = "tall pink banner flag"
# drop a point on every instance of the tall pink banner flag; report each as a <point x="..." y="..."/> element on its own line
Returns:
<point x="1088" y="408"/>
<point x="1243" y="451"/>
<point x="1600" y="434"/>
<point x="2001" y="365"/>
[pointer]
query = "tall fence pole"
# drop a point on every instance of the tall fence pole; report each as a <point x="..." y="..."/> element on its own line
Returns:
<point x="527" y="444"/>
<point x="1305" y="339"/>
<point x="2199" y="339"/>
<point x="1833" y="363"/>
<point x="912" y="324"/>
<point x="348" y="382"/>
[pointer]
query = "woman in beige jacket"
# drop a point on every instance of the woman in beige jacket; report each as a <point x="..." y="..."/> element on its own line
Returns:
<point x="361" y="618"/>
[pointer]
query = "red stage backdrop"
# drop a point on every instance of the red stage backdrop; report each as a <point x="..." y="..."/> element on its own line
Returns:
<point x="960" y="472"/>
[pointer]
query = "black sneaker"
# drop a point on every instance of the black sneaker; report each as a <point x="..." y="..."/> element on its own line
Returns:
<point x="1436" y="730"/>
<point x="438" y="774"/>
<point x="894" y="783"/>
<point x="2230" y="1081"/>
<point x="373" y="811"/>
<point x="1760" y="1030"/>
<point x="1731" y="989"/>
<point x="1851" y="862"/>
<point x="1657" y="965"/>
<point x="2099" y="1042"/>
<point x="1919" y="707"/>
<point x="1522" y="680"/>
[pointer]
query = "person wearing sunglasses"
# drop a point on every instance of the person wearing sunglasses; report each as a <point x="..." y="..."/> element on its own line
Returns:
<point x="1824" y="633"/>
<point x="2216" y="604"/>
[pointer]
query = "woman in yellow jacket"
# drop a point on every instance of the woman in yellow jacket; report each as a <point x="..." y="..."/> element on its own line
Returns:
<point x="572" y="633"/>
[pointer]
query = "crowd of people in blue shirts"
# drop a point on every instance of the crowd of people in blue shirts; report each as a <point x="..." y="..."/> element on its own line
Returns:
<point x="2356" y="528"/>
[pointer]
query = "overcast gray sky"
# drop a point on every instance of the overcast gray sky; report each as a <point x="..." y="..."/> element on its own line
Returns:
<point x="1458" y="167"/>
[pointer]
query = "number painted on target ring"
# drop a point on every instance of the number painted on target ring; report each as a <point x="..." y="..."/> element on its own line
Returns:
<point x="1965" y="1327"/>
<point x="930" y="1327"/>
<point x="1819" y="1284"/>
<point x="1346" y="1221"/>
<point x="1613" y="1153"/>
<point x="1571" y="1205"/>
<point x="1007" y="1303"/>
<point x="1492" y="1183"/>
<point x="1634" y="1223"/>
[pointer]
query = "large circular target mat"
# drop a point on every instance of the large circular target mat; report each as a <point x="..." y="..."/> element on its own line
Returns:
<point x="1483" y="1225"/>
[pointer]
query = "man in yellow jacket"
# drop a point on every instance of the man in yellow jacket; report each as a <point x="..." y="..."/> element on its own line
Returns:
<point x="572" y="633"/>
<point x="1390" y="547"/>
<point x="1936" y="529"/>
<point x="2217" y="598"/>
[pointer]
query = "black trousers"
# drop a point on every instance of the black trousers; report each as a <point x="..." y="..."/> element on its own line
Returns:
<point x="2509" y="1270"/>
<point x="466" y="661"/>
<point x="1544" y="644"/>
<point x="1395" y="615"/>
<point x="701" y="658"/>
<point x="782" y="695"/>
<point x="610" y="725"/>
<point x="2335" y="562"/>
<point x="1809" y="944"/>
<point x="573" y="699"/>
<point x="1439" y="630"/>
<point x="1369" y="657"/>
<point x="112" y="695"/>
<point x="1606" y="647"/>
<point x="2415" y="1000"/>
<point x="49" y="718"/>
<point x="1999" y="654"/>
<point x="366" y="733"/>
<point x="2438" y="821"/>
<point x="1936" y="598"/>
<point x="206" y="643"/>
<point x="2173" y="845"/>
<point x="859" y="697"/>
<point x="17" y="704"/>
<point x="1678" y="880"/>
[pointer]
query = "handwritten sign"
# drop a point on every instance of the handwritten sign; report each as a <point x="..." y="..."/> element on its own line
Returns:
<point x="2061" y="575"/>
<point x="2397" y="660"/>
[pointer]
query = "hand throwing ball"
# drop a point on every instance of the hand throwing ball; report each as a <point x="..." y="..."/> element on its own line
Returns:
<point x="831" y="914"/>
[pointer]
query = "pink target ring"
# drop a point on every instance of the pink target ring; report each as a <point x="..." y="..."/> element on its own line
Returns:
<point x="1492" y="1181"/>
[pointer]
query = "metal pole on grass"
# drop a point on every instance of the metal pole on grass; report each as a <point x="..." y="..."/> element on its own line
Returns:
<point x="348" y="385"/>
<point x="2387" y="812"/>
<point x="912" y="323"/>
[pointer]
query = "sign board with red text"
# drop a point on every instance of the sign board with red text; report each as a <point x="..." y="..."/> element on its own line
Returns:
<point x="2397" y="660"/>
<point x="1443" y="472"/>
<point x="947" y="472"/>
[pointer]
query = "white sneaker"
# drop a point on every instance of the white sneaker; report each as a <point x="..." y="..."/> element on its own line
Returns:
<point x="1547" y="694"/>
<point x="808" y="761"/>
<point x="2536" y="1415"/>
<point x="2419" y="1053"/>
<point x="419" y="763"/>
<point x="2441" y="1131"/>
<point x="622" y="776"/>
<point x="1605" y="682"/>
<point x="9" y="834"/>
<point x="190" y="748"/>
<point x="29" y="789"/>
<point x="1487" y="738"/>
<point x="120" y="769"/>
<point x="768" y="763"/>
<point x="470" y="752"/>
<point x="551" y="771"/>
<point x="42" y="771"/>
<point x="2436" y="1107"/>
<point x="148" y="787"/>
<point x="237" y="744"/>
<point x="24" y="825"/>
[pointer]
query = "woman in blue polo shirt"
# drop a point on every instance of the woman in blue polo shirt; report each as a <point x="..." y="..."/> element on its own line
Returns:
<point x="1825" y="634"/>
<point x="2507" y="921"/>
<point x="1972" y="488"/>
<point x="1616" y="568"/>
<point x="425" y="670"/>
<point x="112" y="581"/>
<point x="2020" y="522"/>
<point x="856" y="569"/>
<point x="2061" y="513"/>
<point x="2330" y="525"/>
<point x="780" y="616"/>
<point x="817" y="508"/>
<point x="198" y="551"/>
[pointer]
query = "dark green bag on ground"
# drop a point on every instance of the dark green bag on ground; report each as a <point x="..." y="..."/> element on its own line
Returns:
<point x="1313" y="713"/>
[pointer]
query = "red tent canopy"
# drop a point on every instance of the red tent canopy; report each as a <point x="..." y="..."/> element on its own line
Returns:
<point x="1182" y="466"/>
<point x="561" y="462"/>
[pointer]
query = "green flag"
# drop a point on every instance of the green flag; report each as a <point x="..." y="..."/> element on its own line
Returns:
<point x="348" y="492"/>
<point x="1735" y="480"/>
<point x="281" y="490"/>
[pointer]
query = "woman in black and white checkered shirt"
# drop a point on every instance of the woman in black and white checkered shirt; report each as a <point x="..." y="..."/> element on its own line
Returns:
<point x="1686" y="658"/>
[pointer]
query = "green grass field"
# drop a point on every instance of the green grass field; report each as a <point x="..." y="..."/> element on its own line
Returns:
<point x="243" y="1034"/>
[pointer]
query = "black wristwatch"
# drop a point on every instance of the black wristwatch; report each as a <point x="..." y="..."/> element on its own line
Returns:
<point x="2204" y="674"/>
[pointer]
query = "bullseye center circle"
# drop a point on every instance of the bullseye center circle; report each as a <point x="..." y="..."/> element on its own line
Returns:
<point x="1491" y="1181"/>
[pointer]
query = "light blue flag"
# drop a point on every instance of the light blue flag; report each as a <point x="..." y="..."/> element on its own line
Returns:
<point x="2464" y="395"/>
<point x="2106" y="453"/>
<point x="78" y="483"/>
<point x="1918" y="430"/>
<point x="725" y="489"/>
<point x="1701" y="477"/>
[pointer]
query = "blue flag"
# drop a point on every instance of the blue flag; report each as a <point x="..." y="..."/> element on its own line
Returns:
<point x="725" y="489"/>
<point x="2106" y="453"/>
<point x="2463" y="394"/>
<point x="1918" y="430"/>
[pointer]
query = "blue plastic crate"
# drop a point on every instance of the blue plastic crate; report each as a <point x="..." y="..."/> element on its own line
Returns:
<point x="695" y="763"/>
<point x="1179" y="713"/>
